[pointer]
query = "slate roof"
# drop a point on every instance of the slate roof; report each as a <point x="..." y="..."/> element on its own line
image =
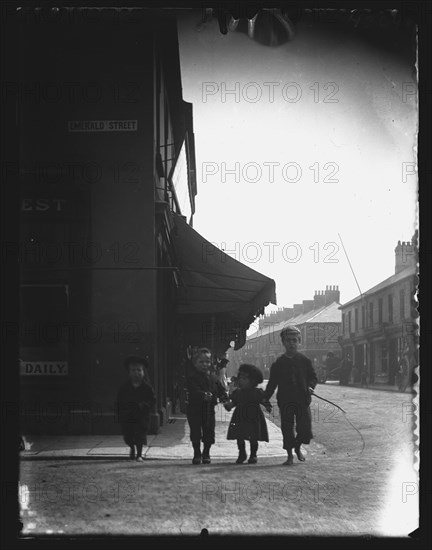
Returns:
<point x="407" y="272"/>
<point x="325" y="314"/>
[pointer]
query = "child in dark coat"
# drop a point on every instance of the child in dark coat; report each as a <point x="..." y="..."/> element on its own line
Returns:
<point x="135" y="400"/>
<point x="204" y="389"/>
<point x="248" y="421"/>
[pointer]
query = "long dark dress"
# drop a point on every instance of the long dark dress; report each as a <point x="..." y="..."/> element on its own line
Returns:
<point x="134" y="407"/>
<point x="248" y="420"/>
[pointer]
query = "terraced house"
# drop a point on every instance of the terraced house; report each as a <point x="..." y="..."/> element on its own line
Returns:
<point x="378" y="327"/>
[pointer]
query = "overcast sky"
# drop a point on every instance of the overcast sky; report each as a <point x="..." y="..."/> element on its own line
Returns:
<point x="343" y="111"/>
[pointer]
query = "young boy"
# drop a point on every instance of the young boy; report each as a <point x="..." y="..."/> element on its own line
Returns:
<point x="204" y="389"/>
<point x="135" y="400"/>
<point x="293" y="374"/>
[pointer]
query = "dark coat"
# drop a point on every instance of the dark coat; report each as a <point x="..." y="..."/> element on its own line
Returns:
<point x="199" y="383"/>
<point x="292" y="376"/>
<point x="135" y="404"/>
<point x="248" y="420"/>
<point x="345" y="370"/>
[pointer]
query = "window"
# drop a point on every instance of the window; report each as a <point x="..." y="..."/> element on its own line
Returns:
<point x="390" y="308"/>
<point x="343" y="323"/>
<point x="44" y="339"/>
<point x="363" y="316"/>
<point x="356" y="318"/>
<point x="179" y="178"/>
<point x="402" y="304"/>
<point x="349" y="321"/>
<point x="380" y="311"/>
<point x="370" y="314"/>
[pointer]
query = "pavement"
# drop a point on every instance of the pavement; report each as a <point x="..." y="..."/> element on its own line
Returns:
<point x="360" y="478"/>
<point x="172" y="442"/>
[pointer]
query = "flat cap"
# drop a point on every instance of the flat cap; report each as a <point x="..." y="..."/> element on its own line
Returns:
<point x="290" y="329"/>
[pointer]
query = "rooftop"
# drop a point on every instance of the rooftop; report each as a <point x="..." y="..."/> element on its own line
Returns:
<point x="408" y="272"/>
<point x="325" y="314"/>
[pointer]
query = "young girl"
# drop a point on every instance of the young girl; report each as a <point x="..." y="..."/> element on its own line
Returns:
<point x="135" y="399"/>
<point x="248" y="421"/>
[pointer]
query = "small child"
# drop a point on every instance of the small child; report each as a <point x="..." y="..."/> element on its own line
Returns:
<point x="233" y="385"/>
<point x="204" y="389"/>
<point x="135" y="400"/>
<point x="248" y="420"/>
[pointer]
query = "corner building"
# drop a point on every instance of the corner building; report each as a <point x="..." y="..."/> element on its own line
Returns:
<point x="107" y="181"/>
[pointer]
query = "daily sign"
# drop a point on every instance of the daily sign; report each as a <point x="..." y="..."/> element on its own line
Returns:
<point x="102" y="125"/>
<point x="41" y="368"/>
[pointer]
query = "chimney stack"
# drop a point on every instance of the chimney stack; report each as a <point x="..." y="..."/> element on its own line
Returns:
<point x="332" y="294"/>
<point x="298" y="309"/>
<point x="319" y="299"/>
<point x="406" y="254"/>
<point x="282" y="314"/>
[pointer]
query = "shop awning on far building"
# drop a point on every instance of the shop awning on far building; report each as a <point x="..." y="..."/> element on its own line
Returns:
<point x="219" y="297"/>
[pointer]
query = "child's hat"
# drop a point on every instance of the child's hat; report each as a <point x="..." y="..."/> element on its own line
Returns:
<point x="135" y="360"/>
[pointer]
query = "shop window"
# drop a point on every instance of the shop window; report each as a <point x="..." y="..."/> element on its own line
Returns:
<point x="44" y="329"/>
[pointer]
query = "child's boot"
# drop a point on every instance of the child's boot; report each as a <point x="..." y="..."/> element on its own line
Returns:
<point x="206" y="454"/>
<point x="253" y="454"/>
<point x="197" y="453"/>
<point x="242" y="452"/>
<point x="139" y="457"/>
